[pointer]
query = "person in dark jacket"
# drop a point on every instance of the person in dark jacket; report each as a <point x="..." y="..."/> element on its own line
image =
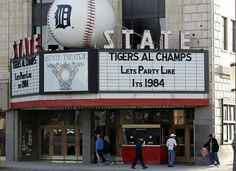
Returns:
<point x="138" y="155"/>
<point x="95" y="158"/>
<point x="107" y="149"/>
<point x="213" y="148"/>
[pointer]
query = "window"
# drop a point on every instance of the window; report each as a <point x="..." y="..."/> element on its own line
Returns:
<point x="141" y="15"/>
<point x="26" y="139"/>
<point x="149" y="134"/>
<point x="48" y="42"/>
<point x="100" y="118"/>
<point x="233" y="36"/>
<point x="127" y="117"/>
<point x="178" y="117"/>
<point x="228" y="123"/>
<point x="225" y="33"/>
<point x="39" y="25"/>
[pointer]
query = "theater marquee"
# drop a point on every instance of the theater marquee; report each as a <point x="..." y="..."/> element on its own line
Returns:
<point x="159" y="71"/>
<point x="25" y="75"/>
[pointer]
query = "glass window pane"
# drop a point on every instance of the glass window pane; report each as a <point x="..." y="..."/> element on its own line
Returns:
<point x="189" y="116"/>
<point x="57" y="141"/>
<point x="111" y="117"/>
<point x="48" y="42"/>
<point x="45" y="141"/>
<point x="26" y="140"/>
<point x="149" y="136"/>
<point x="225" y="33"/>
<point x="178" y="117"/>
<point x="100" y="117"/>
<point x="234" y="36"/>
<point x="191" y="143"/>
<point x="225" y="133"/>
<point x="229" y="113"/>
<point x="231" y="131"/>
<point x="225" y="113"/>
<point x="232" y="113"/>
<point x="180" y="138"/>
<point x="71" y="141"/>
<point x="127" y="117"/>
<point x="138" y="117"/>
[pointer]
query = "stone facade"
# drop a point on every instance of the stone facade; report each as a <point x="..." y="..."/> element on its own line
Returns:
<point x="15" y="21"/>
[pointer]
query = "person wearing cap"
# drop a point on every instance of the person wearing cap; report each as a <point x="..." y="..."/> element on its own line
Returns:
<point x="171" y="144"/>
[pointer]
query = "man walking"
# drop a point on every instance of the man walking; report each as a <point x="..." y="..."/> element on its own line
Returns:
<point x="138" y="155"/>
<point x="213" y="148"/>
<point x="171" y="144"/>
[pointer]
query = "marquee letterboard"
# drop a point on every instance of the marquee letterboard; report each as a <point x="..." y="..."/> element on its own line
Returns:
<point x="161" y="71"/>
<point x="25" y="75"/>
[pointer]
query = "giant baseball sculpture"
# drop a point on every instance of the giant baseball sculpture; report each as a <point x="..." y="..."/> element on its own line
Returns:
<point x="80" y="23"/>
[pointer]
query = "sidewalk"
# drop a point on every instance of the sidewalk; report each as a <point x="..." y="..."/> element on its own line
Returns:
<point x="46" y="166"/>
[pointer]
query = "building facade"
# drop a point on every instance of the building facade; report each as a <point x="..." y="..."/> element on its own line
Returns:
<point x="45" y="121"/>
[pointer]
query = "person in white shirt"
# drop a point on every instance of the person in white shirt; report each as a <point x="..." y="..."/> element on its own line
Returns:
<point x="171" y="144"/>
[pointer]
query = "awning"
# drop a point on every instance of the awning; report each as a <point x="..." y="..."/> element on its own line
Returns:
<point x="109" y="103"/>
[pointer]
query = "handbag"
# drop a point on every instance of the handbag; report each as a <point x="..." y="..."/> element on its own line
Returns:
<point x="204" y="152"/>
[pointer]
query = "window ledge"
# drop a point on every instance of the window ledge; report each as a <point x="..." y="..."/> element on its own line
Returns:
<point x="225" y="51"/>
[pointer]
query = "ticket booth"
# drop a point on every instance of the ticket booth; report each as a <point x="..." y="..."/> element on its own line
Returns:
<point x="153" y="151"/>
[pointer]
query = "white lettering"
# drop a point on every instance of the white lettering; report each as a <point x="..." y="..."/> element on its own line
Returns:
<point x="147" y="40"/>
<point x="184" y="40"/>
<point x="108" y="39"/>
<point x="127" y="34"/>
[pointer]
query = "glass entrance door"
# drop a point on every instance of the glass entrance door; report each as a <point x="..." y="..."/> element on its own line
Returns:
<point x="59" y="142"/>
<point x="185" y="141"/>
<point x="45" y="141"/>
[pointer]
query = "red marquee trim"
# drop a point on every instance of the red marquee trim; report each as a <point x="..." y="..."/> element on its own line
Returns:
<point x="110" y="102"/>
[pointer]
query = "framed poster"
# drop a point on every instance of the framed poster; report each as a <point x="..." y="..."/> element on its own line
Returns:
<point x="66" y="72"/>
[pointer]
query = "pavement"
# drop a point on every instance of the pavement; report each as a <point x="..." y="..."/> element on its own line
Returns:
<point x="49" y="166"/>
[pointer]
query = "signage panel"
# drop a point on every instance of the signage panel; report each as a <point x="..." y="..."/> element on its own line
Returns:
<point x="65" y="72"/>
<point x="25" y="75"/>
<point x="161" y="71"/>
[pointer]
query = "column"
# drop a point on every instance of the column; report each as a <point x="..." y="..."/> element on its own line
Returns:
<point x="87" y="135"/>
<point x="12" y="145"/>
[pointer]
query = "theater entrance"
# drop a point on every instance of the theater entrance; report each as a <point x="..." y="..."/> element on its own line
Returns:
<point x="58" y="142"/>
<point x="185" y="141"/>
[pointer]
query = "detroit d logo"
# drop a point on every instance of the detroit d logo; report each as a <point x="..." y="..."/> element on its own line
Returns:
<point x="62" y="16"/>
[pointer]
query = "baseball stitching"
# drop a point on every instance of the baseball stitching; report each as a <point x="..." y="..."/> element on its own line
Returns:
<point x="87" y="40"/>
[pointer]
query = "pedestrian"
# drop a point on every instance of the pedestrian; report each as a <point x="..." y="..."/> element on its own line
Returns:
<point x="213" y="148"/>
<point x="99" y="148"/>
<point x="138" y="155"/>
<point x="171" y="144"/>
<point x="106" y="151"/>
